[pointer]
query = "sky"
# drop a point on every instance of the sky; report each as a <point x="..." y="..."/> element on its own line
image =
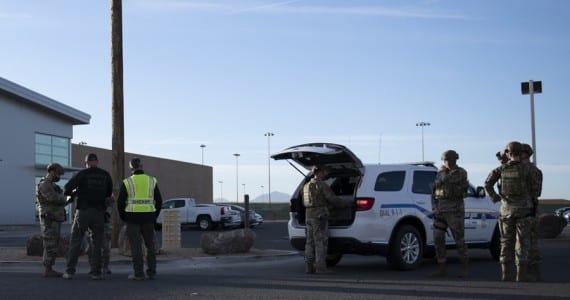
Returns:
<point x="222" y="73"/>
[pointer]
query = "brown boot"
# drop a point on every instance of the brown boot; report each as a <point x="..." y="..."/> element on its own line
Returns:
<point x="533" y="273"/>
<point x="522" y="271"/>
<point x="464" y="272"/>
<point x="49" y="272"/>
<point x="506" y="272"/>
<point x="310" y="269"/>
<point x="440" y="272"/>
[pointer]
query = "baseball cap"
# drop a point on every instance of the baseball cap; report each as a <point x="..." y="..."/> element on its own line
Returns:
<point x="91" y="157"/>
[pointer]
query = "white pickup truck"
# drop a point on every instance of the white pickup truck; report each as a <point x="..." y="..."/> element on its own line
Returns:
<point x="206" y="216"/>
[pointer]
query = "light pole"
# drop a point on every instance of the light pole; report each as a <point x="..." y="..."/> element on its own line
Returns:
<point x="532" y="87"/>
<point x="422" y="125"/>
<point x="202" y="146"/>
<point x="221" y="190"/>
<point x="262" y="192"/>
<point x="243" y="184"/>
<point x="269" y="135"/>
<point x="237" y="181"/>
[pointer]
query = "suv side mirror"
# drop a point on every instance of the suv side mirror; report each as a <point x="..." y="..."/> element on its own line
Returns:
<point x="481" y="192"/>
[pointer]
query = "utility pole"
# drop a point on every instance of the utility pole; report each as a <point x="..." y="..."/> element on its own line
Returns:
<point x="118" y="135"/>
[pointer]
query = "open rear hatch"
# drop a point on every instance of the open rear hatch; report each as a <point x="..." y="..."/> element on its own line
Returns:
<point x="344" y="178"/>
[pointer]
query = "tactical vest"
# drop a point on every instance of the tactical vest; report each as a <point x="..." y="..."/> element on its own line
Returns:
<point x="140" y="190"/>
<point x="311" y="196"/>
<point x="512" y="181"/>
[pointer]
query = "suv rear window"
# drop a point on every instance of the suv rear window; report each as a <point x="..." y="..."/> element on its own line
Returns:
<point x="423" y="182"/>
<point x="390" y="181"/>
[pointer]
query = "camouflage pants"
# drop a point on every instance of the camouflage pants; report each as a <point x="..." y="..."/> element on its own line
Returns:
<point x="455" y="221"/>
<point x="515" y="238"/>
<point x="50" y="235"/>
<point x="534" y="256"/>
<point x="105" y="245"/>
<point x="317" y="234"/>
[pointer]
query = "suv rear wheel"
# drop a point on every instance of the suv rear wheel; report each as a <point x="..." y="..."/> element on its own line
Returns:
<point x="406" y="248"/>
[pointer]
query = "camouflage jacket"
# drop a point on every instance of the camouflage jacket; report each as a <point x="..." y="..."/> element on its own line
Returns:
<point x="318" y="198"/>
<point x="50" y="200"/>
<point x="525" y="177"/>
<point x="449" y="189"/>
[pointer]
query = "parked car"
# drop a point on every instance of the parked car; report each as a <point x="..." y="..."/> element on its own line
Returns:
<point x="390" y="212"/>
<point x="563" y="212"/>
<point x="205" y="216"/>
<point x="255" y="219"/>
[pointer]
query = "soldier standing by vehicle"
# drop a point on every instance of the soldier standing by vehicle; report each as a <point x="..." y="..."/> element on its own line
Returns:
<point x="449" y="189"/>
<point x="139" y="205"/>
<point x="317" y="197"/>
<point x="519" y="186"/>
<point x="50" y="202"/>
<point x="93" y="186"/>
<point x="534" y="256"/>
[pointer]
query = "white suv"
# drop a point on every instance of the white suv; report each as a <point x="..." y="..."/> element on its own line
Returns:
<point x="391" y="213"/>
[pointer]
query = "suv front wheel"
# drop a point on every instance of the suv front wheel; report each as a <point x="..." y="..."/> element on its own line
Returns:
<point x="406" y="248"/>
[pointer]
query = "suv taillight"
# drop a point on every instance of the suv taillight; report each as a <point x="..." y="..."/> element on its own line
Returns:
<point x="364" y="203"/>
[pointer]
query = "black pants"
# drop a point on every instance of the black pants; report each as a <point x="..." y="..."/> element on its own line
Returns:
<point x="137" y="233"/>
<point x="92" y="219"/>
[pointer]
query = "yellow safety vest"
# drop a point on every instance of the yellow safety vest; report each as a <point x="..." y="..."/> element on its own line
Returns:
<point x="140" y="190"/>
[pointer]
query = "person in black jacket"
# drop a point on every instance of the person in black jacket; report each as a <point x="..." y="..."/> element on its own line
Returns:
<point x="139" y="204"/>
<point x="93" y="186"/>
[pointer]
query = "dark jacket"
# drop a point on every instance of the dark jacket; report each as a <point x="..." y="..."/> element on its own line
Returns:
<point x="138" y="218"/>
<point x="93" y="186"/>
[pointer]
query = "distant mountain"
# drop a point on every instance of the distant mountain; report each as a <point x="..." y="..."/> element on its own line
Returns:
<point x="275" y="197"/>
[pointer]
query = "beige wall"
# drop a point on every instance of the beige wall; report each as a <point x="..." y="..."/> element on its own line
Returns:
<point x="175" y="178"/>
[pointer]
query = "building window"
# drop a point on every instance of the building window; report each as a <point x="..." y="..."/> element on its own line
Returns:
<point x="52" y="149"/>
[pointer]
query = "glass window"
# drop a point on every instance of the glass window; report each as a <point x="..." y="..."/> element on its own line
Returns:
<point x="52" y="149"/>
<point x="390" y="181"/>
<point x="179" y="203"/>
<point x="423" y="182"/>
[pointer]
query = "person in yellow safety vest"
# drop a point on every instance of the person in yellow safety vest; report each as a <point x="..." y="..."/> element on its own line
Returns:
<point x="139" y="204"/>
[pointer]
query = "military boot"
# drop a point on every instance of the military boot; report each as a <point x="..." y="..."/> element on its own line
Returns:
<point x="49" y="272"/>
<point x="310" y="269"/>
<point x="464" y="272"/>
<point x="506" y="272"/>
<point x="440" y="272"/>
<point x="522" y="271"/>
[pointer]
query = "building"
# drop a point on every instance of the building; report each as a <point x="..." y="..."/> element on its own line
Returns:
<point x="36" y="130"/>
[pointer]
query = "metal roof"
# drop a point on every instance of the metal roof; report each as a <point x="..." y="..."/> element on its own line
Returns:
<point x="76" y="117"/>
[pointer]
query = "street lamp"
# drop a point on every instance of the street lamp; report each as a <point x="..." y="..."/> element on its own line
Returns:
<point x="422" y="125"/>
<point x="202" y="146"/>
<point x="221" y="190"/>
<point x="243" y="184"/>
<point x="532" y="87"/>
<point x="269" y="135"/>
<point x="237" y="190"/>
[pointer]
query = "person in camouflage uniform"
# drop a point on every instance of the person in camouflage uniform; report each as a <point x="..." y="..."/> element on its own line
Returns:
<point x="107" y="235"/>
<point x="449" y="190"/>
<point x="51" y="202"/>
<point x="317" y="198"/>
<point x="519" y="186"/>
<point x="534" y="256"/>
